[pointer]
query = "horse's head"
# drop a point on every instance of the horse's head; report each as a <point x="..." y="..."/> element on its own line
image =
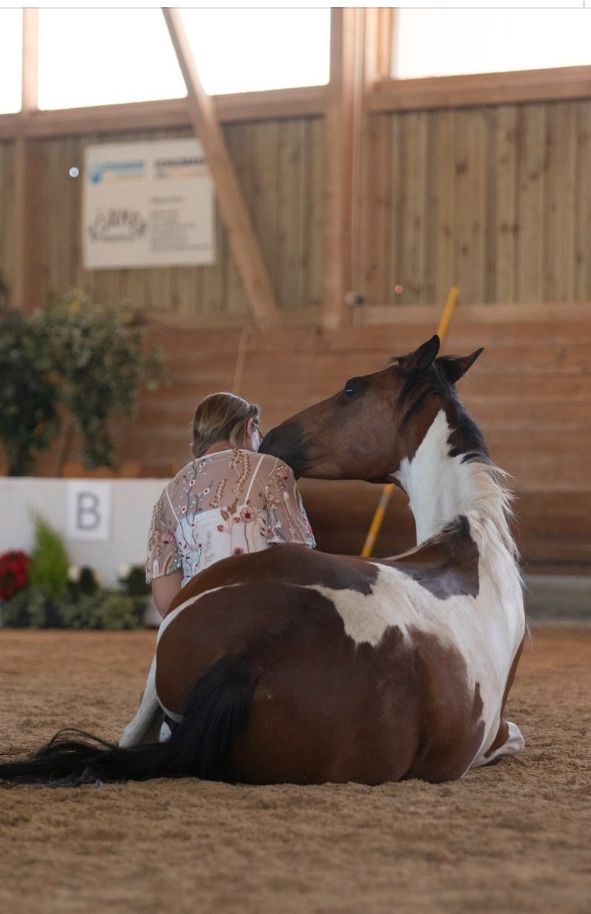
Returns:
<point x="376" y="420"/>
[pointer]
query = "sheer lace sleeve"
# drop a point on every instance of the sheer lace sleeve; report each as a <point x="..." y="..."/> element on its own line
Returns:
<point x="163" y="555"/>
<point x="287" y="518"/>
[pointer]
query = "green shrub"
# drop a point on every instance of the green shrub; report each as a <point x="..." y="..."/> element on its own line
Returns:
<point x="48" y="570"/>
<point x="29" y="390"/>
<point x="83" y="611"/>
<point x="104" y="609"/>
<point x="102" y="364"/>
<point x="119" y="612"/>
<point x="133" y="582"/>
<point x="89" y="359"/>
<point x="30" y="608"/>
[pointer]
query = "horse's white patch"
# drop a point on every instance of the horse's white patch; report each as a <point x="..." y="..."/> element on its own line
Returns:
<point x="437" y="489"/>
<point x="487" y="629"/>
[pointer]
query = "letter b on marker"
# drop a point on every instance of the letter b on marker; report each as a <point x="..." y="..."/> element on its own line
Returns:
<point x="89" y="508"/>
<point x="87" y="516"/>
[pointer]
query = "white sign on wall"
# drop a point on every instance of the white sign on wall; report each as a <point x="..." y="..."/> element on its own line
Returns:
<point x="89" y="510"/>
<point x="147" y="204"/>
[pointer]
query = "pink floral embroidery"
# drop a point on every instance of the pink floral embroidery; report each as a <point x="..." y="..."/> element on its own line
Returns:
<point x="216" y="502"/>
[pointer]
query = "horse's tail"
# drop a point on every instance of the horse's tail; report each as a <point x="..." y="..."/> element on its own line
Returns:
<point x="216" y="713"/>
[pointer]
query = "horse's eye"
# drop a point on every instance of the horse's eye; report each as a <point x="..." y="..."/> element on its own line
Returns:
<point x="352" y="387"/>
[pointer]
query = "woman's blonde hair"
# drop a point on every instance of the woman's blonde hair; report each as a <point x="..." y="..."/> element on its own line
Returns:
<point x="221" y="417"/>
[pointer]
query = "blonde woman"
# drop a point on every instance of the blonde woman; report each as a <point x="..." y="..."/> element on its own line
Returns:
<point x="227" y="500"/>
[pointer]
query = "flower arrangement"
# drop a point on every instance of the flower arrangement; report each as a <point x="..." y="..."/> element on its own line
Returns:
<point x="14" y="568"/>
<point x="44" y="591"/>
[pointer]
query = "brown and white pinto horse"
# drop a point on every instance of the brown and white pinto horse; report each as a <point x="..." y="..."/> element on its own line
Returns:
<point x="289" y="665"/>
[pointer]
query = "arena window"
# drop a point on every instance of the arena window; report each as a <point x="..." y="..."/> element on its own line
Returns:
<point x="90" y="56"/>
<point x="10" y="60"/>
<point x="105" y="56"/>
<point x="450" y="42"/>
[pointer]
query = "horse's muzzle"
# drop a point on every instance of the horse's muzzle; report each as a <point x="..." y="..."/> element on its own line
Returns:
<point x="286" y="442"/>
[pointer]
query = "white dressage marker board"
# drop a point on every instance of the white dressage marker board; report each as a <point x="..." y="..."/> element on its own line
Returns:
<point x="146" y="205"/>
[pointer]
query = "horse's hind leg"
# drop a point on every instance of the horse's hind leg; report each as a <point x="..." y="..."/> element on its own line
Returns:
<point x="145" y="726"/>
<point x="509" y="741"/>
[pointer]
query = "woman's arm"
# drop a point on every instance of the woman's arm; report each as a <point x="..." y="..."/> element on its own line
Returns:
<point x="165" y="589"/>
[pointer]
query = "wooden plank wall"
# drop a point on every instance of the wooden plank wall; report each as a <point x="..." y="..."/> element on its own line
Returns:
<point x="495" y="199"/>
<point x="7" y="214"/>
<point x="280" y="166"/>
<point x="530" y="392"/>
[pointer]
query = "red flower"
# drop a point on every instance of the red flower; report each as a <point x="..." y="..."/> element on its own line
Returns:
<point x="14" y="566"/>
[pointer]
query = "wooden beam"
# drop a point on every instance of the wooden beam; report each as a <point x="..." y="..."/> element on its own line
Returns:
<point x="28" y="288"/>
<point x="481" y="89"/>
<point x="386" y="95"/>
<point x="233" y="208"/>
<point x="378" y="24"/>
<point x="308" y="101"/>
<point x="30" y="60"/>
<point x="338" y="159"/>
<point x="377" y="44"/>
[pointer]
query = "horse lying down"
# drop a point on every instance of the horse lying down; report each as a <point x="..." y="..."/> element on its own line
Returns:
<point x="289" y="665"/>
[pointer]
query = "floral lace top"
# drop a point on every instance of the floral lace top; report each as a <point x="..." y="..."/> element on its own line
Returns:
<point x="224" y="504"/>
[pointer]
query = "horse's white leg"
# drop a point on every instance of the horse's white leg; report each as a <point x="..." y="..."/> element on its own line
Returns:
<point x="513" y="744"/>
<point x="145" y="726"/>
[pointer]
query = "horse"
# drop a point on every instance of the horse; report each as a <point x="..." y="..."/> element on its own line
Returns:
<point x="294" y="666"/>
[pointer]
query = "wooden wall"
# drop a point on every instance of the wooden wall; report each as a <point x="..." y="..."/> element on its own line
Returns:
<point x="495" y="199"/>
<point x="530" y="391"/>
<point x="279" y="164"/>
<point x="7" y="213"/>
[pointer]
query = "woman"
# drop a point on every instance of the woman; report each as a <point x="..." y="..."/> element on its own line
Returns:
<point x="228" y="500"/>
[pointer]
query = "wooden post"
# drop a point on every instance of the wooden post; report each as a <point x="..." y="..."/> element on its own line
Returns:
<point x="28" y="289"/>
<point x="338" y="173"/>
<point x="244" y="244"/>
<point x="377" y="45"/>
<point x="378" y="25"/>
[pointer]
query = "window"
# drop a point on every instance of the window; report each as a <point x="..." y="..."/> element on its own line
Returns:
<point x="106" y="56"/>
<point x="447" y="42"/>
<point x="11" y="44"/>
<point x="244" y="50"/>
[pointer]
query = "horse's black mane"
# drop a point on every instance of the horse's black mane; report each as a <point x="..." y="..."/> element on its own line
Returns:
<point x="465" y="438"/>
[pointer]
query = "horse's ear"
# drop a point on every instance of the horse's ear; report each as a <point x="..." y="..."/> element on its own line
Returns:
<point x="422" y="358"/>
<point x="455" y="367"/>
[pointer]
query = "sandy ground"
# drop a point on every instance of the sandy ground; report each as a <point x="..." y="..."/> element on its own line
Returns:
<point x="513" y="837"/>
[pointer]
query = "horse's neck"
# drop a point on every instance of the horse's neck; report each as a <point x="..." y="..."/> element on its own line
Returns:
<point x="440" y="486"/>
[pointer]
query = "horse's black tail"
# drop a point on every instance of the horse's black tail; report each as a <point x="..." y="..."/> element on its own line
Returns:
<point x="217" y="711"/>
